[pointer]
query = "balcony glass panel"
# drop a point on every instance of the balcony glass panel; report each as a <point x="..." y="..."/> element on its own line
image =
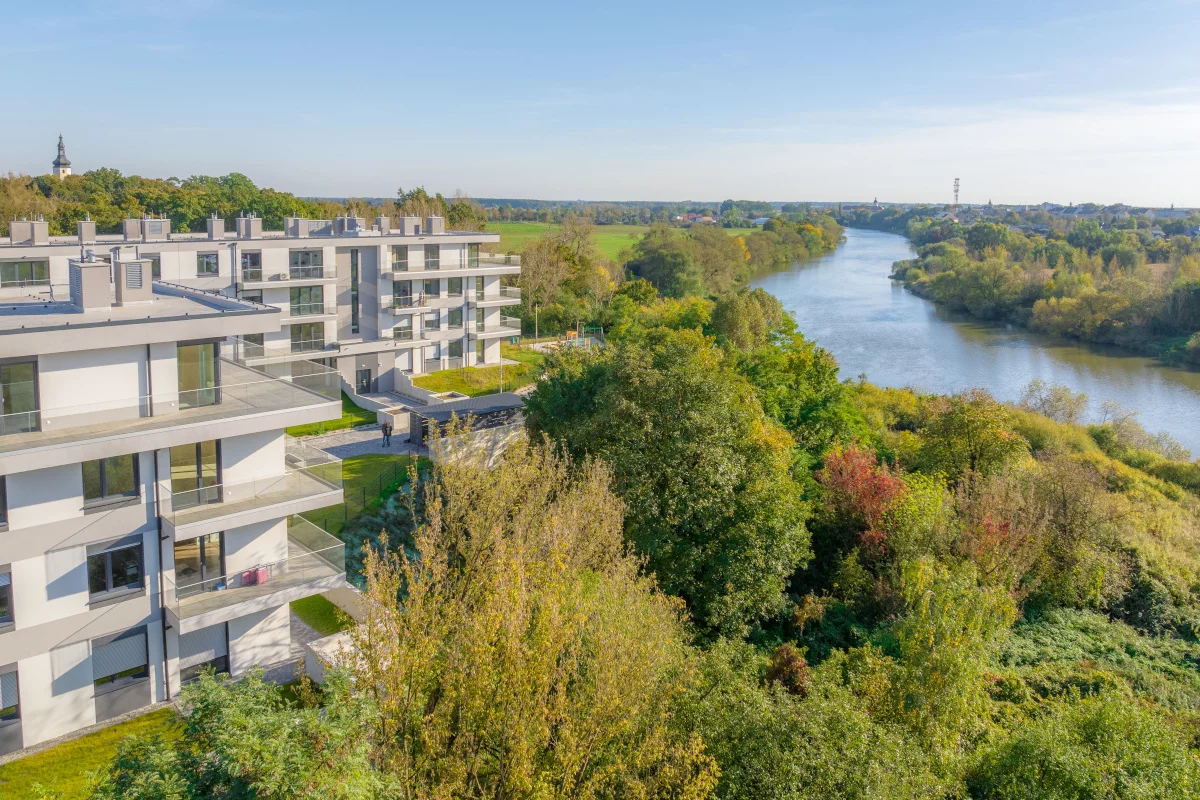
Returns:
<point x="198" y="374"/>
<point x="18" y="398"/>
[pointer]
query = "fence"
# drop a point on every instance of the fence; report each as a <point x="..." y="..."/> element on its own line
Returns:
<point x="362" y="495"/>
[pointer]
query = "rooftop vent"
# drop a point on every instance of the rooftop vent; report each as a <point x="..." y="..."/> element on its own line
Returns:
<point x="408" y="226"/>
<point x="89" y="281"/>
<point x="216" y="227"/>
<point x="249" y="227"/>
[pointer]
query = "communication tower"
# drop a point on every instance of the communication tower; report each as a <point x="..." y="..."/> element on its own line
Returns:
<point x="956" y="193"/>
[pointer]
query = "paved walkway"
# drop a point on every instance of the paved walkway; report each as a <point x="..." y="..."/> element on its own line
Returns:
<point x="358" y="441"/>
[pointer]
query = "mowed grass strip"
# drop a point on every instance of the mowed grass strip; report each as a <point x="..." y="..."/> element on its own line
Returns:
<point x="610" y="239"/>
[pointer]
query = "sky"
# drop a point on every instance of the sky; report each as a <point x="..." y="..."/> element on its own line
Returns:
<point x="1023" y="101"/>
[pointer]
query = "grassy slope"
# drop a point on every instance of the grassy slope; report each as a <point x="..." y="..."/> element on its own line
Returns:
<point x="320" y="615"/>
<point x="363" y="477"/>
<point x="352" y="415"/>
<point x="64" y="768"/>
<point x="475" y="381"/>
<point x="610" y="239"/>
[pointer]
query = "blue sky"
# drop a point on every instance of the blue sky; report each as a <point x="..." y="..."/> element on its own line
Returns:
<point x="1024" y="101"/>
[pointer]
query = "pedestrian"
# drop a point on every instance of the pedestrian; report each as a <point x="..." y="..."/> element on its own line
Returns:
<point x="387" y="434"/>
<point x="383" y="428"/>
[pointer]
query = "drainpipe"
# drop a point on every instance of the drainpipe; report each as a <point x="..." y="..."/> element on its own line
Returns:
<point x="162" y="588"/>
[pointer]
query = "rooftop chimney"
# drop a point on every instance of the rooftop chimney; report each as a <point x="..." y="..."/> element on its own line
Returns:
<point x="216" y="227"/>
<point x="87" y="231"/>
<point x="408" y="226"/>
<point x="383" y="224"/>
<point x="89" y="283"/>
<point x="132" y="280"/>
<point x="434" y="225"/>
<point x="132" y="228"/>
<point x="249" y="227"/>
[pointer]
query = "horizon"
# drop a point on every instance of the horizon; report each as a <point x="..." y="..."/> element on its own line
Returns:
<point x="783" y="102"/>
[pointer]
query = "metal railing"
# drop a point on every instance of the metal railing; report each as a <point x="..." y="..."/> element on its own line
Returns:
<point x="312" y="555"/>
<point x="243" y="390"/>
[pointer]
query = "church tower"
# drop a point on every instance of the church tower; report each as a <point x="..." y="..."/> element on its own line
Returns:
<point x="62" y="166"/>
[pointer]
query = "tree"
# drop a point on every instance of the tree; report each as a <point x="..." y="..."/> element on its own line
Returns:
<point x="968" y="431"/>
<point x="1057" y="402"/>
<point x="703" y="472"/>
<point x="666" y="260"/>
<point x="514" y="650"/>
<point x="983" y="235"/>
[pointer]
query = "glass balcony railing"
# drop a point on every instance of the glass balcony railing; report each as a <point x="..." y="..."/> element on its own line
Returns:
<point x="506" y="324"/>
<point x="242" y="391"/>
<point x="258" y="275"/>
<point x="306" y="309"/>
<point x="505" y="293"/>
<point x="310" y="473"/>
<point x="410" y="300"/>
<point x="241" y="350"/>
<point x="499" y="259"/>
<point x="314" y="558"/>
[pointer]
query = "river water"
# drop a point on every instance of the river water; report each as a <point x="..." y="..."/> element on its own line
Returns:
<point x="874" y="326"/>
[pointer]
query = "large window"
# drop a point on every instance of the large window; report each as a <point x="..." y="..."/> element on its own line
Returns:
<point x="119" y="661"/>
<point x="306" y="264"/>
<point x="10" y="704"/>
<point x="117" y="570"/>
<point x="6" y="598"/>
<point x="400" y="258"/>
<point x="472" y="255"/>
<point x="24" y="273"/>
<point x="308" y="336"/>
<point x="155" y="265"/>
<point x="433" y="256"/>
<point x="18" y="397"/>
<point x="432" y="323"/>
<point x="251" y="266"/>
<point x="432" y="287"/>
<point x="206" y="264"/>
<point x="198" y="565"/>
<point x="456" y="348"/>
<point x="198" y="378"/>
<point x="354" y="291"/>
<point x="402" y="294"/>
<point x="254" y="296"/>
<point x="195" y="474"/>
<point x="454" y="287"/>
<point x="455" y="318"/>
<point x="307" y="300"/>
<point x="404" y="330"/>
<point x="110" y="479"/>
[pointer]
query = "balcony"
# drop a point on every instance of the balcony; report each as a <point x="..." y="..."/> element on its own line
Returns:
<point x="506" y="327"/>
<point x="498" y="259"/>
<point x="409" y="301"/>
<point x="507" y="296"/>
<point x="295" y="276"/>
<point x="257" y="354"/>
<point x="315" y="563"/>
<point x="131" y="423"/>
<point x="312" y="480"/>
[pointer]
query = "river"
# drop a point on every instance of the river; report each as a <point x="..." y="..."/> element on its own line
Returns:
<point x="874" y="326"/>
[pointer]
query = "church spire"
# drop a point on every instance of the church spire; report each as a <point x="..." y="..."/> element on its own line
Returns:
<point x="62" y="165"/>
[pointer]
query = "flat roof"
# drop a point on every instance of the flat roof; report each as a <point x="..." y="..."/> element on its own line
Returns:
<point x="170" y="302"/>
<point x="476" y="406"/>
<point x="117" y="239"/>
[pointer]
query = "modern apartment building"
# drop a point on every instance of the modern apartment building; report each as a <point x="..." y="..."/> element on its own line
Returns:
<point x="372" y="301"/>
<point x="150" y="500"/>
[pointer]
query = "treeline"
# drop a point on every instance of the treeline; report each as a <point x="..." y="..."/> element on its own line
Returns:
<point x="716" y="570"/>
<point x="1093" y="285"/>
<point x="728" y="213"/>
<point x="565" y="283"/>
<point x="109" y="197"/>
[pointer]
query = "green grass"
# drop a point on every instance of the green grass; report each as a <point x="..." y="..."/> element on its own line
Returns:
<point x="610" y="239"/>
<point x="65" y="767"/>
<point x="475" y="381"/>
<point x="352" y="415"/>
<point x="321" y="615"/>
<point x="367" y="481"/>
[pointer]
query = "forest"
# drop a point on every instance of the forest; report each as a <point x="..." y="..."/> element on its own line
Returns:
<point x="716" y="569"/>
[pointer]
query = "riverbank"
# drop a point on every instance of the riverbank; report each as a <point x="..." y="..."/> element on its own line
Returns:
<point x="875" y="327"/>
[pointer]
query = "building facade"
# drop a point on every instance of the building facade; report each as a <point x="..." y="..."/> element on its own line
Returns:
<point x="372" y="302"/>
<point x="150" y="501"/>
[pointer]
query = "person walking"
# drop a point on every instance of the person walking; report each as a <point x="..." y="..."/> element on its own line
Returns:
<point x="387" y="434"/>
<point x="383" y="429"/>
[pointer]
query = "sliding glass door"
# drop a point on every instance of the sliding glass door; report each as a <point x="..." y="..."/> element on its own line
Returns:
<point x="195" y="474"/>
<point x="18" y="397"/>
<point x="198" y="564"/>
<point x="198" y="378"/>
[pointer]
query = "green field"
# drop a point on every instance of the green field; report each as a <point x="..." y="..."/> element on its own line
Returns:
<point x="474" y="381"/>
<point x="352" y="415"/>
<point x="64" y="768"/>
<point x="610" y="239"/>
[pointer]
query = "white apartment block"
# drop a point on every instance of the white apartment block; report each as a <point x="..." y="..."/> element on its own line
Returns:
<point x="150" y="500"/>
<point x="377" y="302"/>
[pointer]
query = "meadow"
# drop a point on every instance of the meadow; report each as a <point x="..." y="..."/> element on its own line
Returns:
<point x="610" y="239"/>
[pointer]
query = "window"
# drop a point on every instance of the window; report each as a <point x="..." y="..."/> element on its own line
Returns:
<point x="110" y="479"/>
<point x="432" y="287"/>
<point x="362" y="381"/>
<point x="24" y="273"/>
<point x="307" y="300"/>
<point x="120" y="661"/>
<point x="308" y="336"/>
<point x="207" y="648"/>
<point x="199" y="566"/>
<point x="400" y="258"/>
<point x="456" y="348"/>
<point x="115" y="571"/>
<point x="206" y="264"/>
<point x="402" y="294"/>
<point x="454" y="287"/>
<point x="18" y="398"/>
<point x="254" y="296"/>
<point x="198" y="374"/>
<point x="455" y="318"/>
<point x="432" y="323"/>
<point x="10" y="704"/>
<point x="155" y="265"/>
<point x="251" y="266"/>
<point x="433" y="256"/>
<point x="472" y="255"/>
<point x="354" y="291"/>
<point x="306" y="264"/>
<point x="3" y="503"/>
<point x="479" y="319"/>
<point x="6" y="598"/>
<point x="403" y="331"/>
<point x="195" y="474"/>
<point x="154" y="227"/>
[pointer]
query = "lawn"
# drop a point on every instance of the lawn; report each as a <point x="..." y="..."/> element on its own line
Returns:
<point x="352" y="415"/>
<point x="475" y="381"/>
<point x="610" y="239"/>
<point x="367" y="480"/>
<point x="63" y="769"/>
<point x="321" y="615"/>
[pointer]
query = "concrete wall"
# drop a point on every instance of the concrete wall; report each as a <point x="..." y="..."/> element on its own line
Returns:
<point x="256" y="455"/>
<point x="262" y="638"/>
<point x="254" y="545"/>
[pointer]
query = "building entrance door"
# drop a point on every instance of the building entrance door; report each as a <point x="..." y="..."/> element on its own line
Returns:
<point x="362" y="383"/>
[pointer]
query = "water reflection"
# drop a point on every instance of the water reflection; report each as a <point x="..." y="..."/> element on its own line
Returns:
<point x="876" y="327"/>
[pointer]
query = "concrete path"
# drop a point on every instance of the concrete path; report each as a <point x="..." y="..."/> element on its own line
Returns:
<point x="358" y="441"/>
